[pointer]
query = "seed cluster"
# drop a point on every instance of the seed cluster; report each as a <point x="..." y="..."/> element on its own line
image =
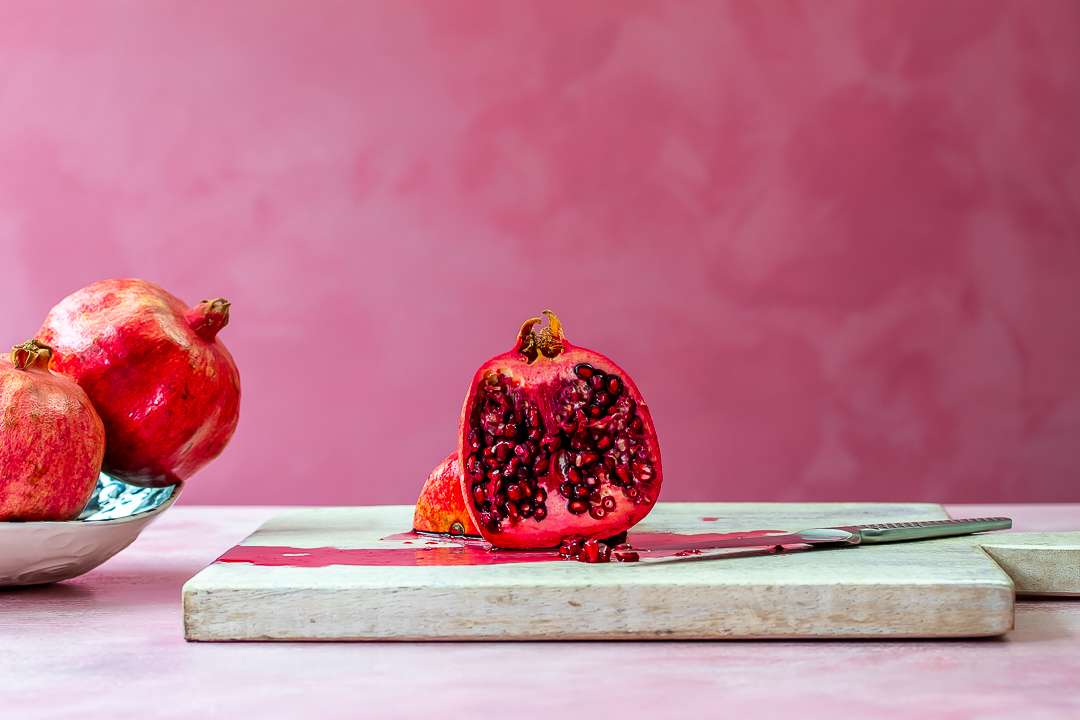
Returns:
<point x="598" y="446"/>
<point x="506" y="453"/>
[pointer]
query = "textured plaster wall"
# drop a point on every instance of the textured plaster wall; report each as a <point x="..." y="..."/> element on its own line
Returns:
<point x="837" y="244"/>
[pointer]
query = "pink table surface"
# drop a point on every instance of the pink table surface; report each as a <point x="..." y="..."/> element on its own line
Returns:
<point x="109" y="645"/>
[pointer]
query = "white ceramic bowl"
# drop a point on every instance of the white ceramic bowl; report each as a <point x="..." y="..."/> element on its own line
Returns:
<point x="43" y="552"/>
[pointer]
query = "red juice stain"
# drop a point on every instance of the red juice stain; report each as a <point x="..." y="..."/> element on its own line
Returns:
<point x="444" y="551"/>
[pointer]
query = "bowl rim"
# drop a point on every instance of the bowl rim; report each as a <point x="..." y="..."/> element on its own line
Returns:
<point x="7" y="525"/>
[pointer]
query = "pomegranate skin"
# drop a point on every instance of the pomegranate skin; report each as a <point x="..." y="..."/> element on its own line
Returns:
<point x="612" y="459"/>
<point x="166" y="388"/>
<point x="440" y="510"/>
<point x="52" y="440"/>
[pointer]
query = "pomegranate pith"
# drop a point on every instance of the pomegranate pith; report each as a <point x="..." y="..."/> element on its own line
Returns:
<point x="51" y="439"/>
<point x="556" y="441"/>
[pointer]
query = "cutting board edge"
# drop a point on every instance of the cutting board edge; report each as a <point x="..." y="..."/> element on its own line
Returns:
<point x="929" y="611"/>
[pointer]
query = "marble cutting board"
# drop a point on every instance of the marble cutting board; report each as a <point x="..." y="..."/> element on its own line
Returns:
<point x="939" y="588"/>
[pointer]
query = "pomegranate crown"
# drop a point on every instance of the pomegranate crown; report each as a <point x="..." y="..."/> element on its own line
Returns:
<point x="549" y="342"/>
<point x="208" y="317"/>
<point x="30" y="353"/>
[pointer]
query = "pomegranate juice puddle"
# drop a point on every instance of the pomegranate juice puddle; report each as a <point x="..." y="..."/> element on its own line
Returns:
<point x="439" y="551"/>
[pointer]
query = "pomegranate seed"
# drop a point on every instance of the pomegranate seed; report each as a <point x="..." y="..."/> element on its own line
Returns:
<point x="593" y="551"/>
<point x="513" y="492"/>
<point x="588" y="458"/>
<point x="623" y="474"/>
<point x="597" y="382"/>
<point x="613" y="385"/>
<point x="512" y="511"/>
<point x="574" y="475"/>
<point x="541" y="465"/>
<point x="526" y="510"/>
<point x="540" y="496"/>
<point x="597" y="512"/>
<point x="626" y="555"/>
<point x="596" y="411"/>
<point x="581" y="491"/>
<point x="578" y="507"/>
<point x="478" y="495"/>
<point x="602" y="398"/>
<point x="566" y="490"/>
<point x="608" y="503"/>
<point x="603" y="443"/>
<point x="584" y="371"/>
<point x="540" y="512"/>
<point x="512" y="465"/>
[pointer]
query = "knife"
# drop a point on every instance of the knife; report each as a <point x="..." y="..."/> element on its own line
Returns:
<point x="851" y="535"/>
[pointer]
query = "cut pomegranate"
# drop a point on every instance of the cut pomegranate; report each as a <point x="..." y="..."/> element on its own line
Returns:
<point x="556" y="442"/>
<point x="441" y="507"/>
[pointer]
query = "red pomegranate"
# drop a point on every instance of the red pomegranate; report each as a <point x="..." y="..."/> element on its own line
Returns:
<point x="441" y="507"/>
<point x="52" y="439"/>
<point x="556" y="442"/>
<point x="166" y="388"/>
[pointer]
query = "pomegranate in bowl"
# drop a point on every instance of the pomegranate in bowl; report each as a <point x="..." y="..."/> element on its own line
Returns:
<point x="166" y="388"/>
<point x="52" y="441"/>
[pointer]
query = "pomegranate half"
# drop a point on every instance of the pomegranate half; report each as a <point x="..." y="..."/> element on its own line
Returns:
<point x="556" y="442"/>
<point x="440" y="510"/>
<point x="52" y="440"/>
<point x="166" y="387"/>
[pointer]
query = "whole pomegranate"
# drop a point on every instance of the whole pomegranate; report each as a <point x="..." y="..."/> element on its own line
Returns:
<point x="52" y="439"/>
<point x="166" y="388"/>
<point x="441" y="507"/>
<point x="556" y="442"/>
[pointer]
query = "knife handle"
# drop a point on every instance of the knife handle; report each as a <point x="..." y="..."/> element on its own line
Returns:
<point x="898" y="532"/>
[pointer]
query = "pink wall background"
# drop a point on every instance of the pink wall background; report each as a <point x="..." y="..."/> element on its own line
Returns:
<point x="837" y="244"/>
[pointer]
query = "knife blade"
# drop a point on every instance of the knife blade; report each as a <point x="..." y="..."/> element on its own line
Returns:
<point x="850" y="535"/>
